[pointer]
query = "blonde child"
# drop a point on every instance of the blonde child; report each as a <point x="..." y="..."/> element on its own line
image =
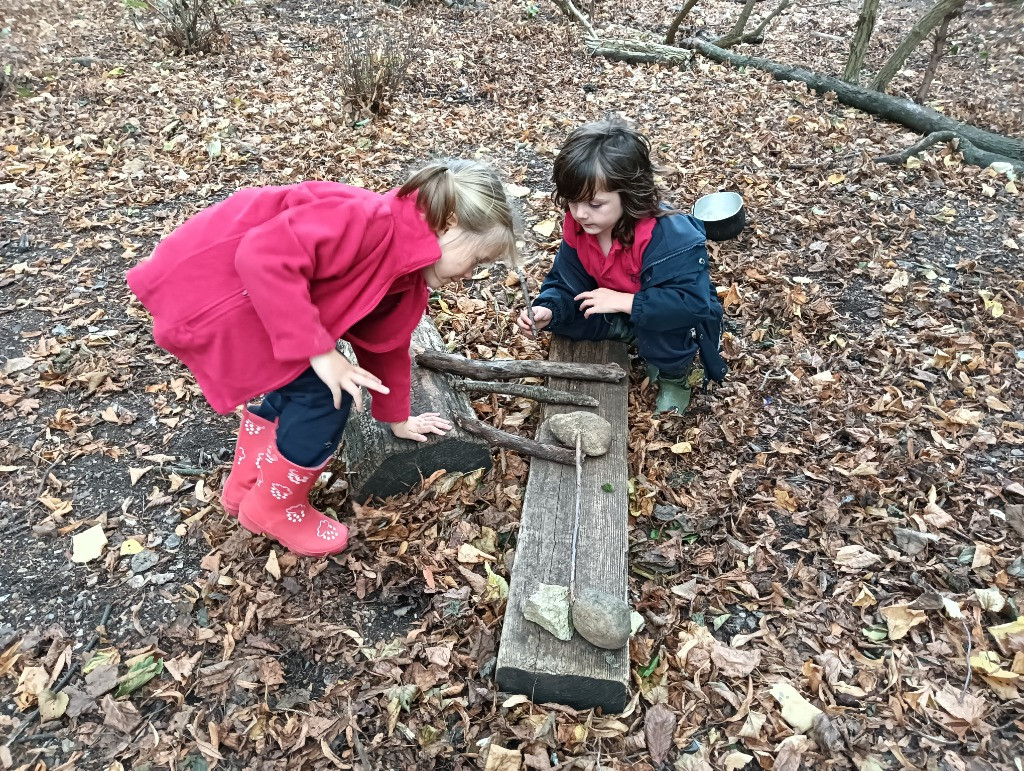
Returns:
<point x="253" y="293"/>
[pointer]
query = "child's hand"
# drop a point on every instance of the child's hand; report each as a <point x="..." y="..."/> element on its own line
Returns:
<point x="605" y="301"/>
<point x="339" y="374"/>
<point x="541" y="315"/>
<point x="418" y="426"/>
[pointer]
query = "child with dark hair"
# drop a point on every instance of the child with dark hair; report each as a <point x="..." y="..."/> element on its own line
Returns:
<point x="628" y="267"/>
<point x="253" y="293"/>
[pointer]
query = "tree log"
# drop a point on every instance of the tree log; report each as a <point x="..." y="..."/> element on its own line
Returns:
<point x="380" y="464"/>
<point x="861" y="38"/>
<point x="520" y="444"/>
<point x="535" y="392"/>
<point x="981" y="148"/>
<point x="513" y="368"/>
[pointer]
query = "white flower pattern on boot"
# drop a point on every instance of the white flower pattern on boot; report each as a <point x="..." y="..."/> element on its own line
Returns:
<point x="251" y="428"/>
<point x="295" y="514"/>
<point x="280" y="491"/>
<point x="326" y="530"/>
<point x="241" y="456"/>
<point x="270" y="456"/>
<point x="296" y="478"/>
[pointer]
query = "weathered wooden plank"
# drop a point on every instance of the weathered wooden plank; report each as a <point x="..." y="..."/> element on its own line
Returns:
<point x="380" y="464"/>
<point x="530" y="660"/>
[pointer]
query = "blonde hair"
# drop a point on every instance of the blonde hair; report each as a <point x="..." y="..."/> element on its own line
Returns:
<point x="472" y="192"/>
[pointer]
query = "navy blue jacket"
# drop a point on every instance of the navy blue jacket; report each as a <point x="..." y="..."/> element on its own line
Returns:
<point x="676" y="293"/>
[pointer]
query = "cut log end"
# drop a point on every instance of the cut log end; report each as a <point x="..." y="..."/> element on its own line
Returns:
<point x="405" y="470"/>
<point x="576" y="691"/>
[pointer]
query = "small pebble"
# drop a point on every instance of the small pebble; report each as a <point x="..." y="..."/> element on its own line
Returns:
<point x="144" y="560"/>
<point x="173" y="541"/>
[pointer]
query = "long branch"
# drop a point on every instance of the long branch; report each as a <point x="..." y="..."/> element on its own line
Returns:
<point x="522" y="445"/>
<point x="989" y="146"/>
<point x="535" y="392"/>
<point x="506" y="369"/>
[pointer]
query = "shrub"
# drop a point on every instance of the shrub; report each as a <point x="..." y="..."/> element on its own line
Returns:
<point x="373" y="68"/>
<point x="189" y="26"/>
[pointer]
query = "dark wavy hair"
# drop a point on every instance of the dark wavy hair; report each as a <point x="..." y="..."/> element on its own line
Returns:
<point x="609" y="156"/>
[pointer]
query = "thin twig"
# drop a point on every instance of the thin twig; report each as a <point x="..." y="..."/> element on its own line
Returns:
<point x="535" y="392"/>
<point x="46" y="474"/>
<point x="529" y="302"/>
<point x="967" y="681"/>
<point x="576" y="520"/>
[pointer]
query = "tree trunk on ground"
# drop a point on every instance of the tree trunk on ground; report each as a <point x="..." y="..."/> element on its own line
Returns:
<point x="938" y="50"/>
<point x="670" y="36"/>
<point x="919" y="32"/>
<point x="380" y="464"/>
<point x="979" y="147"/>
<point x="861" y="38"/>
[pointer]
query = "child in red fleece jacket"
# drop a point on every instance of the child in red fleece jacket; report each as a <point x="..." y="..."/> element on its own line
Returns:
<point x="253" y="293"/>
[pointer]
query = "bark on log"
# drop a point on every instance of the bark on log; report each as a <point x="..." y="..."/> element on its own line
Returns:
<point x="981" y="148"/>
<point x="931" y="19"/>
<point x="380" y="464"/>
<point x="522" y="445"/>
<point x="535" y="392"/>
<point x="513" y="368"/>
<point x="861" y="38"/>
<point x="530" y="660"/>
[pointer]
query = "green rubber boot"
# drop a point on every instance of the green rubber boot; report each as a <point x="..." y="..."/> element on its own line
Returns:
<point x="674" y="392"/>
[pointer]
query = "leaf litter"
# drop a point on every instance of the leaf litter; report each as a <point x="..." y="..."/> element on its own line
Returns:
<point x="826" y="552"/>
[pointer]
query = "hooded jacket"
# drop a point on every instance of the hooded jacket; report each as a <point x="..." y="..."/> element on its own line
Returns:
<point x="675" y="291"/>
<point x="246" y="291"/>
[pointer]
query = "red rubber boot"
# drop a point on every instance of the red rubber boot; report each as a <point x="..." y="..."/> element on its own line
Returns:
<point x="278" y="506"/>
<point x="253" y="435"/>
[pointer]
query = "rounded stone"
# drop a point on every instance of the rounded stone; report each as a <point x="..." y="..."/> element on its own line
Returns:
<point x="601" y="619"/>
<point x="595" y="431"/>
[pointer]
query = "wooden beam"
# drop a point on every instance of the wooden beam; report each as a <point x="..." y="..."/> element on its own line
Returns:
<point x="380" y="464"/>
<point x="530" y="660"/>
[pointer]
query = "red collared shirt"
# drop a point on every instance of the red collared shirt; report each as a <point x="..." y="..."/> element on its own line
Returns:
<point x="620" y="268"/>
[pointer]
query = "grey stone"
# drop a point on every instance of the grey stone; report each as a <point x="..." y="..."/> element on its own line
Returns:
<point x="549" y="608"/>
<point x="160" y="578"/>
<point x="144" y="560"/>
<point x="601" y="619"/>
<point x="137" y="581"/>
<point x="173" y="541"/>
<point x="595" y="431"/>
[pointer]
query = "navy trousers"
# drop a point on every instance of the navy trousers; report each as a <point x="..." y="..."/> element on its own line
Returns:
<point x="672" y="351"/>
<point x="310" y="426"/>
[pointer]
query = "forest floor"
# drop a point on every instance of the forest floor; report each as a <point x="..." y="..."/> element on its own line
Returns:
<point x="844" y="515"/>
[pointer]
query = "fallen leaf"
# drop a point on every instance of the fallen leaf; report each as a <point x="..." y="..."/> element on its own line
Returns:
<point x="734" y="663"/>
<point x="272" y="566"/>
<point x="88" y="545"/>
<point x="900" y="619"/>
<point x="501" y="759"/>
<point x="855" y="557"/>
<point x="129" y="547"/>
<point x="469" y="554"/>
<point x="659" y="728"/>
<point x="735" y="760"/>
<point x="544" y="228"/>
<point x="990" y="599"/>
<point x="52" y="705"/>
<point x="796" y="710"/>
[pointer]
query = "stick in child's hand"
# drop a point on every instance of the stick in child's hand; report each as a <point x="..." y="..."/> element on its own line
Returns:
<point x="529" y="302"/>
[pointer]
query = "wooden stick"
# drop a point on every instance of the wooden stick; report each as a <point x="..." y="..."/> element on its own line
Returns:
<point x="523" y="446"/>
<point x="529" y="302"/>
<point x="506" y="369"/>
<point x="535" y="392"/>
<point x="576" y="521"/>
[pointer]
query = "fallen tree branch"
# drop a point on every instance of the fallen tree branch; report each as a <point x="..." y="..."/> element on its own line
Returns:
<point x="506" y="369"/>
<point x="535" y="392"/>
<point x="572" y="11"/>
<point x="670" y="36"/>
<point x="757" y="36"/>
<point x="970" y="152"/>
<point x="980" y="147"/>
<point x="522" y="445"/>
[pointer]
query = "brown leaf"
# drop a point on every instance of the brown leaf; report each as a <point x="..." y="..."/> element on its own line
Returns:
<point x="659" y="728"/>
<point x="120" y="715"/>
<point x="735" y="663"/>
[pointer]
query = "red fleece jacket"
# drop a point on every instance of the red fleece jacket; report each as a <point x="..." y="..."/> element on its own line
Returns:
<point x="246" y="291"/>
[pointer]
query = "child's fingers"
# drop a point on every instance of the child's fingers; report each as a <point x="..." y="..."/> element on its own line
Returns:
<point x="357" y="397"/>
